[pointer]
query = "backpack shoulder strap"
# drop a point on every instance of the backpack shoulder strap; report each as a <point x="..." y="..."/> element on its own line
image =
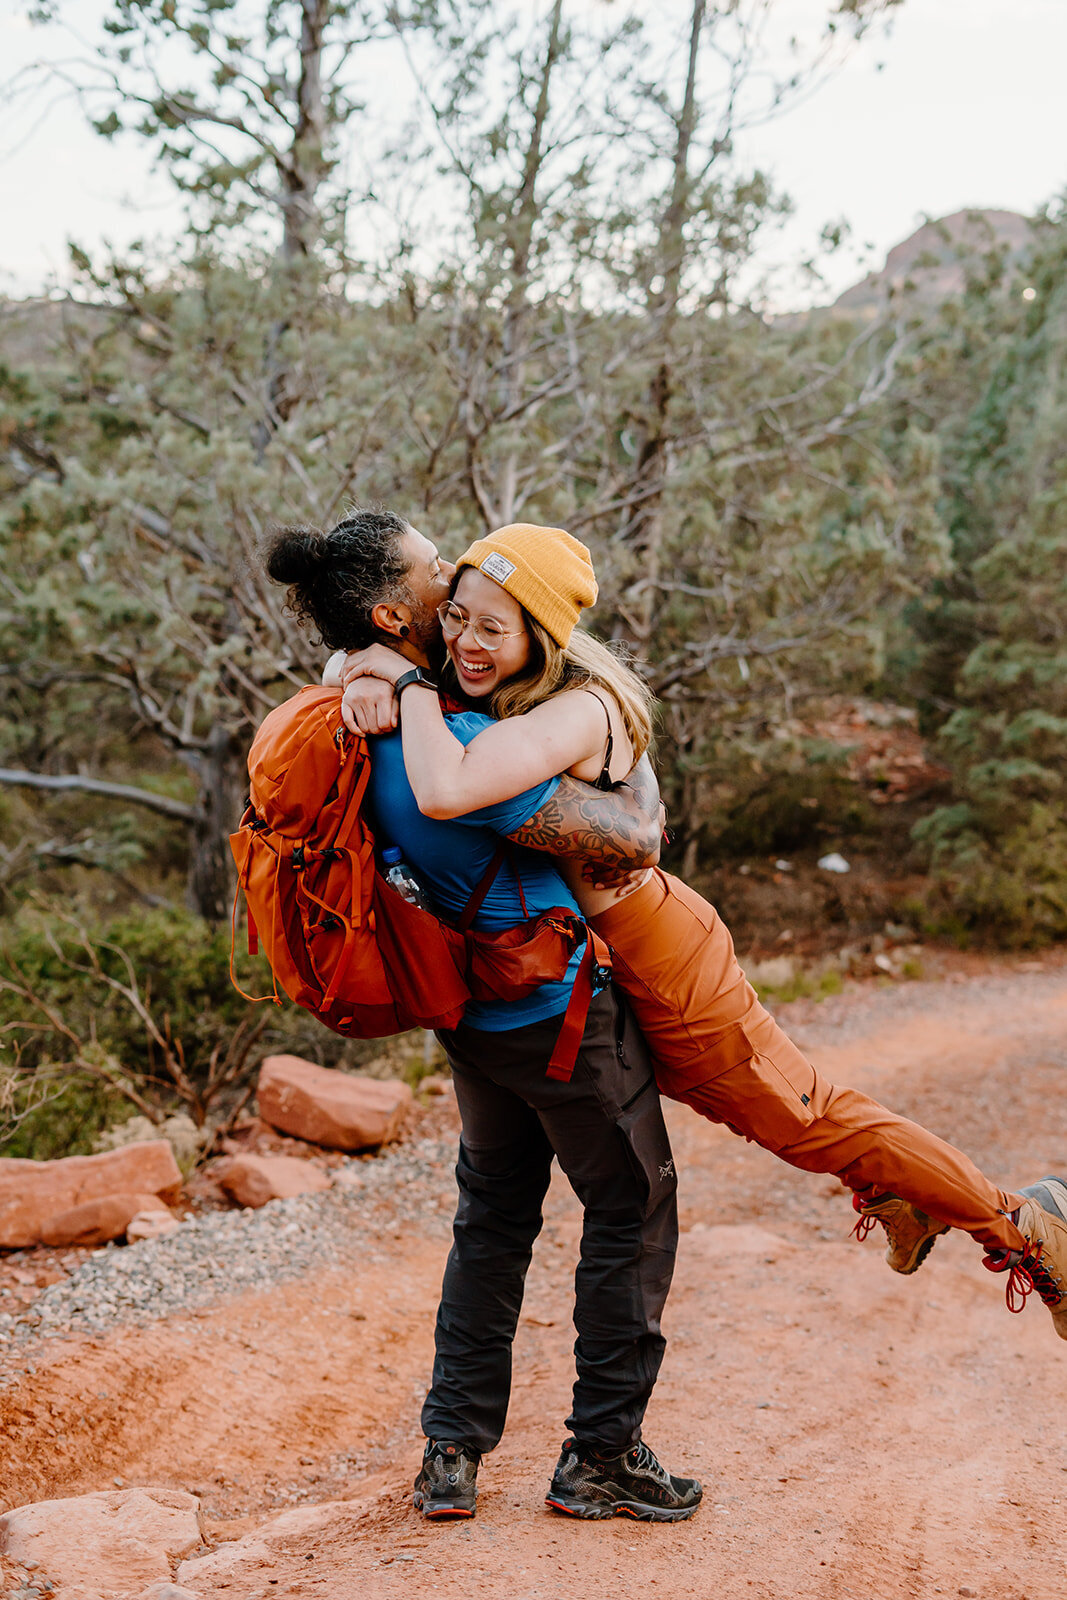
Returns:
<point x="482" y="887"/>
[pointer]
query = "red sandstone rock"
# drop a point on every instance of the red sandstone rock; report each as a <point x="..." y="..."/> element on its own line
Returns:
<point x="337" y="1109"/>
<point x="151" y="1223"/>
<point x="32" y="1192"/>
<point x="119" y="1540"/>
<point x="97" y="1221"/>
<point x="253" y="1180"/>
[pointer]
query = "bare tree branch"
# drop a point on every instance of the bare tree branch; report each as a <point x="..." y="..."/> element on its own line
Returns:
<point x="70" y="782"/>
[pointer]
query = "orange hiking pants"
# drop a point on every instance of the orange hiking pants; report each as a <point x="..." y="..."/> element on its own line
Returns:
<point x="716" y="1049"/>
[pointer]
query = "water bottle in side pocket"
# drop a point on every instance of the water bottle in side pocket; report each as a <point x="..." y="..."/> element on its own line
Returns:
<point x="399" y="876"/>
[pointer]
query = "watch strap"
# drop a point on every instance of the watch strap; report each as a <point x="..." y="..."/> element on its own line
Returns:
<point x="415" y="675"/>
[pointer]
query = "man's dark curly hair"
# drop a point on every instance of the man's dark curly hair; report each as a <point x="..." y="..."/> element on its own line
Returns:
<point x="337" y="578"/>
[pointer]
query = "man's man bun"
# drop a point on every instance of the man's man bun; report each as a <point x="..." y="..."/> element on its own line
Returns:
<point x="296" y="555"/>
<point x="336" y="579"/>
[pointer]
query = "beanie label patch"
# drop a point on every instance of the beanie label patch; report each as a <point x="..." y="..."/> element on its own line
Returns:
<point x="498" y="567"/>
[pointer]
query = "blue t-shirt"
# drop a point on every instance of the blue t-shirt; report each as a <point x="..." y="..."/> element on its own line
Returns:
<point x="451" y="856"/>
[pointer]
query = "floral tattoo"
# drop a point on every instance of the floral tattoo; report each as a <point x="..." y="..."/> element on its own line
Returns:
<point x="613" y="833"/>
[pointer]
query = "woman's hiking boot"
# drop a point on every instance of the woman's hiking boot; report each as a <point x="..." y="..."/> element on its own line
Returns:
<point x="593" y="1483"/>
<point x="1042" y="1221"/>
<point x="447" y="1482"/>
<point x="910" y="1232"/>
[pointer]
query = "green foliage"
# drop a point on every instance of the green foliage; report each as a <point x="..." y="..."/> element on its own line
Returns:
<point x="999" y="849"/>
<point x="547" y="322"/>
<point x="181" y="963"/>
<point x="1010" y="887"/>
<point x="51" y="1118"/>
<point x="804" y="984"/>
<point x="75" y="1046"/>
<point x="793" y="808"/>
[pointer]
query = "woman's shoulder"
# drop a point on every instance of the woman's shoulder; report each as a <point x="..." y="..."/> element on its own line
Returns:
<point x="590" y="699"/>
<point x="612" y="754"/>
<point x="597" y="703"/>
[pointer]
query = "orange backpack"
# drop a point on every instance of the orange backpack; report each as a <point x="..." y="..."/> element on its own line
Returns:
<point x="340" y="940"/>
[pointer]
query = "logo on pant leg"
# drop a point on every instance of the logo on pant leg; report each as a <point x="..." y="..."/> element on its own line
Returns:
<point x="667" y="1171"/>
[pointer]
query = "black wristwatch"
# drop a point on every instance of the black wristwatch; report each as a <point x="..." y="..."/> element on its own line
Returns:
<point x="416" y="675"/>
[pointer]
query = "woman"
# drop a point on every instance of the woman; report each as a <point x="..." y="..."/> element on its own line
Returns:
<point x="566" y="703"/>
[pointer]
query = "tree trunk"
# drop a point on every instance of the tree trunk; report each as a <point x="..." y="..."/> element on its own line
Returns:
<point x="303" y="166"/>
<point x="516" y="334"/>
<point x="223" y="778"/>
<point x="642" y="527"/>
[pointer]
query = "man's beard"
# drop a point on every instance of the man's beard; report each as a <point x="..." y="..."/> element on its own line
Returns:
<point x="426" y="633"/>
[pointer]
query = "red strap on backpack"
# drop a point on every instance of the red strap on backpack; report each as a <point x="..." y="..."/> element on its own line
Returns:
<point x="594" y="970"/>
<point x="482" y="887"/>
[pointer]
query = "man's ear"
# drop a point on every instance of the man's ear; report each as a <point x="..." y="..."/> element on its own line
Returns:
<point x="391" y="617"/>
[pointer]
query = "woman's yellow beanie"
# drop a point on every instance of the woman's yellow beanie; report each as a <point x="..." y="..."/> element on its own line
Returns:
<point x="544" y="569"/>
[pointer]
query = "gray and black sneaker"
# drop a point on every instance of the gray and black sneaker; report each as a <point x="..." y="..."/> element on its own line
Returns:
<point x="590" y="1483"/>
<point x="447" y="1482"/>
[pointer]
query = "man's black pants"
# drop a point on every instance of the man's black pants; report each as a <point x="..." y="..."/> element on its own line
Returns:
<point x="606" y="1129"/>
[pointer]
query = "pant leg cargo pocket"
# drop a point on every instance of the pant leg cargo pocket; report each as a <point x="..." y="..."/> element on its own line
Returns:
<point x="764" y="1095"/>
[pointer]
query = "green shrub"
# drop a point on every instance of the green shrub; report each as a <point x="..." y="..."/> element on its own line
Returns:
<point x="65" y="1026"/>
<point x="47" y="1119"/>
<point x="794" y="809"/>
<point x="1009" y="886"/>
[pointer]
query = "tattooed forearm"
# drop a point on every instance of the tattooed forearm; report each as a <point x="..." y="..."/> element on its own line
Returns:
<point x="613" y="834"/>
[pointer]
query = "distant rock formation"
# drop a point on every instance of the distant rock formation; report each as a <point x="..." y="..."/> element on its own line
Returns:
<point x="931" y="260"/>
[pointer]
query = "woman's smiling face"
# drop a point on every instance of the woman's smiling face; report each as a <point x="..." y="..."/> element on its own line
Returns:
<point x="480" y="671"/>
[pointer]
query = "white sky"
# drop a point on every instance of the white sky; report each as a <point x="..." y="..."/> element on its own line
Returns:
<point x="961" y="104"/>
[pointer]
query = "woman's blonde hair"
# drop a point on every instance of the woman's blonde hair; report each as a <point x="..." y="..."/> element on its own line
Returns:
<point x="585" y="663"/>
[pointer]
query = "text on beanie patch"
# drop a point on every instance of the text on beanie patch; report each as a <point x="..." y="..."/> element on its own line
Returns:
<point x="498" y="567"/>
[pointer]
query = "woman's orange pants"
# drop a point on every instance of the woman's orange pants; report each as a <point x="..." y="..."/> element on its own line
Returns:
<point x="716" y="1049"/>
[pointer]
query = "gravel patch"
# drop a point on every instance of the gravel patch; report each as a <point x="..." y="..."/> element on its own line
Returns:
<point x="225" y="1253"/>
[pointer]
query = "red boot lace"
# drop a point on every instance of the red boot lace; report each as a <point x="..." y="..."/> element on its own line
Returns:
<point x="866" y="1222"/>
<point x="1025" y="1274"/>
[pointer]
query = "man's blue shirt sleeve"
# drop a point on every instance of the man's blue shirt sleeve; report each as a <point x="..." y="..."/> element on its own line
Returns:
<point x="506" y="815"/>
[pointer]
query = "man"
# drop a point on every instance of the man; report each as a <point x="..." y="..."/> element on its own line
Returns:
<point x="374" y="577"/>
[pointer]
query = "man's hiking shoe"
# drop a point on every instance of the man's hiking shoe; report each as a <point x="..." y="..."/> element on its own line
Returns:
<point x="910" y="1232"/>
<point x="589" y="1483"/>
<point x="1042" y="1220"/>
<point x="447" y="1482"/>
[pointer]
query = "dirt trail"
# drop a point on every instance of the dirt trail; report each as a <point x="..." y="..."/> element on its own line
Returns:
<point x="860" y="1436"/>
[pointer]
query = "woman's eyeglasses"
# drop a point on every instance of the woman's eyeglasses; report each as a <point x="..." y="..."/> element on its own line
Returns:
<point x="485" y="631"/>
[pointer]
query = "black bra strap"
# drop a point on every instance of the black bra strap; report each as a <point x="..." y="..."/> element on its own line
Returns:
<point x="604" y="780"/>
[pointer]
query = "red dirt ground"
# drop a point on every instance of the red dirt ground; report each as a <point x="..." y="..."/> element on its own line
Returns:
<point x="860" y="1436"/>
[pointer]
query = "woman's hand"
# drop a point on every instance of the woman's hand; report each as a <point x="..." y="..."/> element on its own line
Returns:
<point x="369" y="705"/>
<point x="374" y="662"/>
